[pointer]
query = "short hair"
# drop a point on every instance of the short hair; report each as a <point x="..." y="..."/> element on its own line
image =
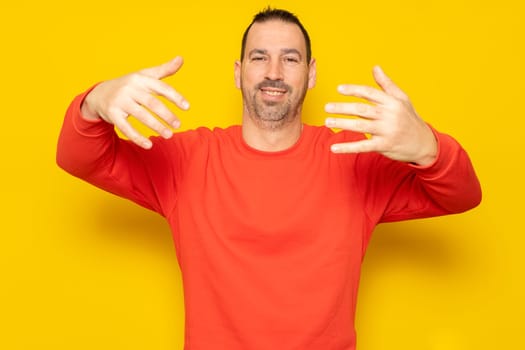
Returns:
<point x="269" y="14"/>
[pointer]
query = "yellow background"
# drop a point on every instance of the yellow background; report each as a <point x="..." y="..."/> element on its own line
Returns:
<point x="81" y="269"/>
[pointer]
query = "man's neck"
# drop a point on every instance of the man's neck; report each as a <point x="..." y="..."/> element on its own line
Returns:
<point x="269" y="139"/>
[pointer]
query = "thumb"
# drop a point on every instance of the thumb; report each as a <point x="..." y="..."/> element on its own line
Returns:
<point x="164" y="70"/>
<point x="387" y="84"/>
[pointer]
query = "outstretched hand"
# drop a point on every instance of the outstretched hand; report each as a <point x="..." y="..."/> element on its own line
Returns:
<point x="135" y="95"/>
<point x="395" y="129"/>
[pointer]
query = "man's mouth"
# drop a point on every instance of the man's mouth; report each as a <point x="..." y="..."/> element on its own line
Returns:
<point x="273" y="91"/>
<point x="273" y="88"/>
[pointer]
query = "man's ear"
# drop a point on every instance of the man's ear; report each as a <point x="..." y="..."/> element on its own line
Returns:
<point x="312" y="74"/>
<point x="237" y="74"/>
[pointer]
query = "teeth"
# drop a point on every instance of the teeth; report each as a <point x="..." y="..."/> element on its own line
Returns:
<point x="273" y="93"/>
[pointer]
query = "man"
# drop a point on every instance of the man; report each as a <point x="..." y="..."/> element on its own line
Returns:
<point x="270" y="219"/>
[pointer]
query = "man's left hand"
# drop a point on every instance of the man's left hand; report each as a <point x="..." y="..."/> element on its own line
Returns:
<point x="394" y="128"/>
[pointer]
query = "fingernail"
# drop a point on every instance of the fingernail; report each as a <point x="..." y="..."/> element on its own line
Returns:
<point x="329" y="122"/>
<point x="185" y="104"/>
<point x="341" y="88"/>
<point x="335" y="148"/>
<point x="167" y="133"/>
<point x="329" y="107"/>
<point x="176" y="124"/>
<point x="147" y="144"/>
<point x="378" y="71"/>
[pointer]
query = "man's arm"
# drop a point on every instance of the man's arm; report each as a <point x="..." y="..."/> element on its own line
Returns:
<point x="89" y="147"/>
<point x="397" y="190"/>
<point x="423" y="172"/>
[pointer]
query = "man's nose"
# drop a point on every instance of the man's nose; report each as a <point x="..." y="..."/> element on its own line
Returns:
<point x="274" y="71"/>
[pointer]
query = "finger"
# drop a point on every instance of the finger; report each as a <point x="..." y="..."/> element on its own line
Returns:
<point x="358" y="125"/>
<point x="368" y="93"/>
<point x="387" y="84"/>
<point x="164" y="70"/>
<point x="358" y="109"/>
<point x="161" y="88"/>
<point x="133" y="135"/>
<point x="150" y="121"/>
<point x="158" y="108"/>
<point x="362" y="146"/>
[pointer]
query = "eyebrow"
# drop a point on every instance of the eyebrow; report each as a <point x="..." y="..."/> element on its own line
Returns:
<point x="283" y="51"/>
<point x="257" y="51"/>
<point x="294" y="51"/>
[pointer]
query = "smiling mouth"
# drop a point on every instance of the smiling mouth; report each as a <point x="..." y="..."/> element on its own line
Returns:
<point x="273" y="92"/>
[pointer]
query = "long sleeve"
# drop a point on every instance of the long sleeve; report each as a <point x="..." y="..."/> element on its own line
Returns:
<point x="399" y="191"/>
<point x="92" y="151"/>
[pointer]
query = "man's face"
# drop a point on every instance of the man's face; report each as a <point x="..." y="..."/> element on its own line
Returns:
<point x="274" y="74"/>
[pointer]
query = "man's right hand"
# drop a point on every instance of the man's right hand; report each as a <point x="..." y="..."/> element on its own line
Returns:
<point x="135" y="95"/>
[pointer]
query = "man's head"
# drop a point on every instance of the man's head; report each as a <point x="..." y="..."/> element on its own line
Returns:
<point x="275" y="70"/>
<point x="270" y="14"/>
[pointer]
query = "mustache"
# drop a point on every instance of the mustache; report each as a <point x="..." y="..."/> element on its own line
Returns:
<point x="276" y="84"/>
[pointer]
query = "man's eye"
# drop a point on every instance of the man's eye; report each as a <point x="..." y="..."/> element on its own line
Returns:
<point x="291" y="59"/>
<point x="258" y="58"/>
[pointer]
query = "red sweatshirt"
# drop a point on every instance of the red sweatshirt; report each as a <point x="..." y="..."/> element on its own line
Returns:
<point x="270" y="245"/>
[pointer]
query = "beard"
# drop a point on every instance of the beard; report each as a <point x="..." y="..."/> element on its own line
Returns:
<point x="272" y="115"/>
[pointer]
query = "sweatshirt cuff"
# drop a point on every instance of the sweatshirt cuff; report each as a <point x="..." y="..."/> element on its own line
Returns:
<point x="86" y="127"/>
<point x="447" y="153"/>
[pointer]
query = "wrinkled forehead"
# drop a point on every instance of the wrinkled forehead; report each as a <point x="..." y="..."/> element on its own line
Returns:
<point x="275" y="35"/>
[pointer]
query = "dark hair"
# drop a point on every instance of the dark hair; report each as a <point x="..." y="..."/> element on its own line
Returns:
<point x="269" y="14"/>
